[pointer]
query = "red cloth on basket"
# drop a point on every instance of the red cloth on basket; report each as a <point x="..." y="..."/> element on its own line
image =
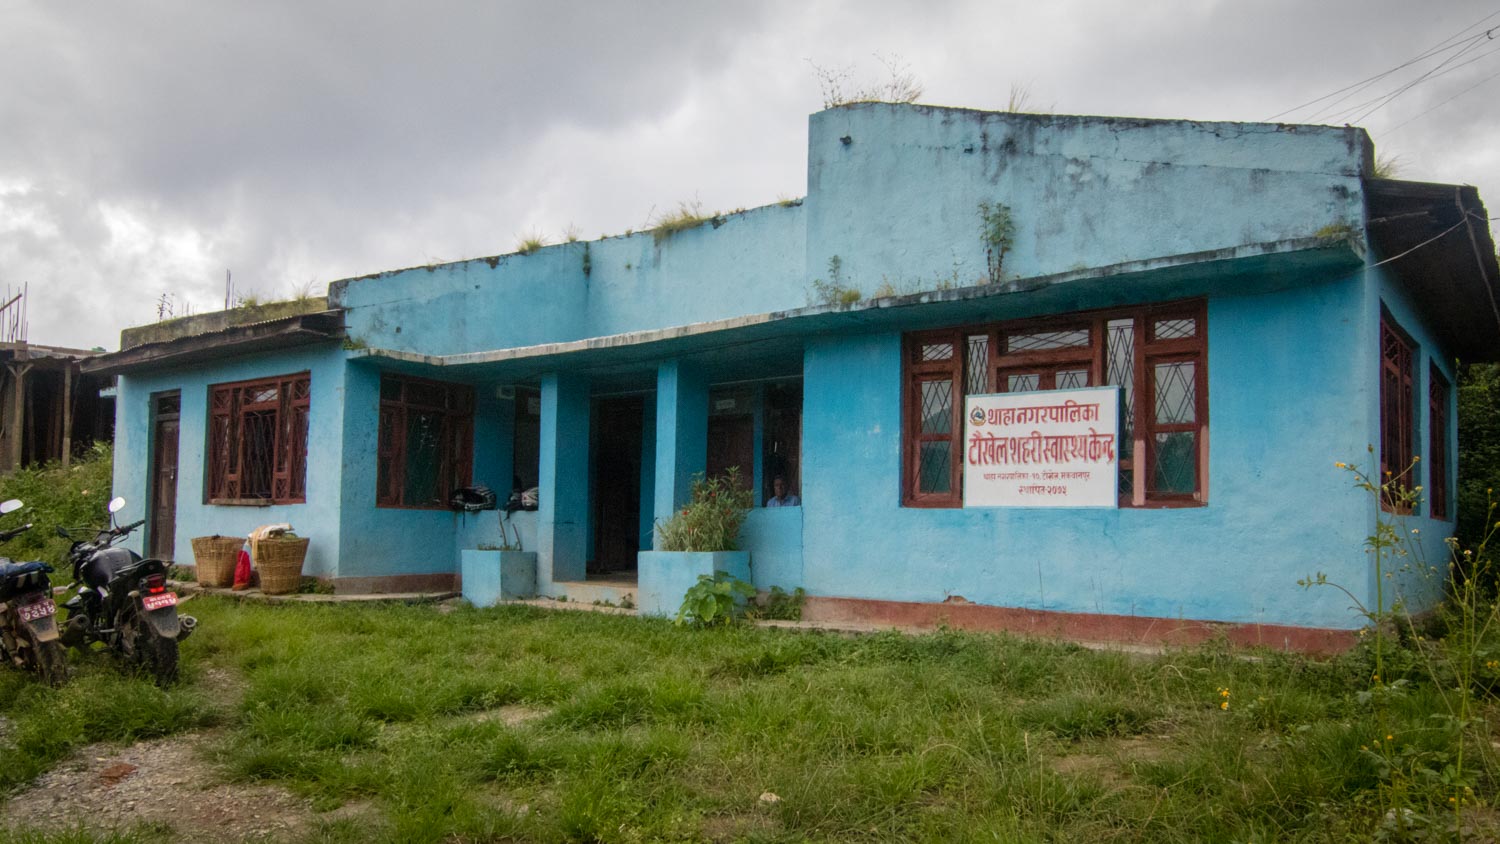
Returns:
<point x="242" y="570"/>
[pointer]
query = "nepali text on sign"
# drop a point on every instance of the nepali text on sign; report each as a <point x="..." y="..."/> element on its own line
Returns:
<point x="1051" y="448"/>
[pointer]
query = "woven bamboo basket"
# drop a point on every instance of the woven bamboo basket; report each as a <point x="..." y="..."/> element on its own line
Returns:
<point x="214" y="558"/>
<point x="279" y="561"/>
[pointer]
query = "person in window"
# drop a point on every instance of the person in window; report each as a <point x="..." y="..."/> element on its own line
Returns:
<point x="782" y="498"/>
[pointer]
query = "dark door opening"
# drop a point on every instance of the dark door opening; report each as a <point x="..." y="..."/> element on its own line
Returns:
<point x="165" y="413"/>
<point x="783" y="438"/>
<point x="618" y="427"/>
<point x="731" y="442"/>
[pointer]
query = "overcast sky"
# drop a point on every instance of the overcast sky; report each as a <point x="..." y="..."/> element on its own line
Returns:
<point x="147" y="146"/>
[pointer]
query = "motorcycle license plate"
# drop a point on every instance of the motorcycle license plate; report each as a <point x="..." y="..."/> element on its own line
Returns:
<point x="156" y="602"/>
<point x="40" y="609"/>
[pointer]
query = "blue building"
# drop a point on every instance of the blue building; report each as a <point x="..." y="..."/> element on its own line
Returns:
<point x="1260" y="303"/>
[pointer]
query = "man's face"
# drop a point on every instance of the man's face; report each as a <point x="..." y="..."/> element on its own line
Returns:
<point x="779" y="487"/>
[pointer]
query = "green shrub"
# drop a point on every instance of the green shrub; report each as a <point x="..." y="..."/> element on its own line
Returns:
<point x="780" y="605"/>
<point x="714" y="600"/>
<point x="1478" y="449"/>
<point x="71" y="497"/>
<point x="711" y="520"/>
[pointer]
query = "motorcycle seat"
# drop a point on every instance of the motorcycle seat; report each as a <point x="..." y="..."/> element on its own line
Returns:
<point x="108" y="564"/>
<point x="9" y="569"/>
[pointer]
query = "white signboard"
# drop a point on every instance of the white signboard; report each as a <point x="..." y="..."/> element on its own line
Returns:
<point x="1051" y="448"/>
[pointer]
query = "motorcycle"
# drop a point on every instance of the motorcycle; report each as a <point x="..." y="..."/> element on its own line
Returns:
<point x="28" y="616"/>
<point x="123" y="601"/>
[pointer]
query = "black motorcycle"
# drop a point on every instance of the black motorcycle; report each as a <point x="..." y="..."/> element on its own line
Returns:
<point x="123" y="601"/>
<point x="28" y="616"/>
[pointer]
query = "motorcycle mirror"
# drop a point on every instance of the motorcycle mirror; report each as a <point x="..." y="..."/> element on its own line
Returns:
<point x="116" y="505"/>
<point x="63" y="532"/>
<point x="10" y="506"/>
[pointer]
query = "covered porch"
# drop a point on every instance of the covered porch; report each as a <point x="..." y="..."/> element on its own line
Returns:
<point x="605" y="443"/>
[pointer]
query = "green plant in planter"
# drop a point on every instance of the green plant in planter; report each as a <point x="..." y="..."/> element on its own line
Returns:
<point x="714" y="600"/>
<point x="711" y="520"/>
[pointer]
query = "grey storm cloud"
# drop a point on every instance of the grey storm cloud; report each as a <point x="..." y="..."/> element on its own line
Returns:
<point x="150" y="146"/>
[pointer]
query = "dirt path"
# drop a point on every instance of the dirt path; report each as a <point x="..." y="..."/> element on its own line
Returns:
<point x="168" y="784"/>
<point x="165" y="783"/>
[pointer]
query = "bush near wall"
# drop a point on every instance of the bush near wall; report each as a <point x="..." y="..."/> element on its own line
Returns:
<point x="1478" y="447"/>
<point x="71" y="497"/>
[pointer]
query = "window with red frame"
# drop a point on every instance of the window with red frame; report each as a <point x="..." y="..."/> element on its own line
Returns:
<point x="1397" y="419"/>
<point x="1437" y="443"/>
<point x="257" y="440"/>
<point x="1156" y="355"/>
<point x="426" y="441"/>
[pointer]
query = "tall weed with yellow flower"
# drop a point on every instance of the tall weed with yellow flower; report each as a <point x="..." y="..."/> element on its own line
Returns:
<point x="1428" y="782"/>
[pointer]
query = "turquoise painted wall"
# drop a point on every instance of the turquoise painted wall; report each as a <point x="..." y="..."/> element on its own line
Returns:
<point x="494" y="426"/>
<point x="512" y="300"/>
<point x="774" y="539"/>
<point x="750" y="261"/>
<point x="563" y="514"/>
<point x="894" y="190"/>
<point x="380" y="541"/>
<point x="317" y="519"/>
<point x="1418" y="571"/>
<point x="351" y="537"/>
<point x="1281" y="365"/>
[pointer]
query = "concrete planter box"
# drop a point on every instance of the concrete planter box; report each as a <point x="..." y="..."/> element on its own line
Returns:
<point x="666" y="576"/>
<point x="493" y="576"/>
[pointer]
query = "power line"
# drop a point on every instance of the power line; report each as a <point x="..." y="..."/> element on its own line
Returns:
<point x="1441" y="46"/>
<point x="1434" y="75"/>
<point x="1420" y="79"/>
<point x="1492" y="76"/>
<point x="1438" y="236"/>
<point x="1332" y="108"/>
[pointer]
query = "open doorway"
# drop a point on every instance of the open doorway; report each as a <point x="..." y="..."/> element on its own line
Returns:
<point x="783" y="437"/>
<point x="165" y="413"/>
<point x="618" y="426"/>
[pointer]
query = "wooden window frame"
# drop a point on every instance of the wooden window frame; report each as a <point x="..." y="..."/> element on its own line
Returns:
<point x="1438" y="393"/>
<point x="1147" y="351"/>
<point x="1398" y="356"/>
<point x="456" y="461"/>
<point x="918" y="372"/>
<point x="228" y="450"/>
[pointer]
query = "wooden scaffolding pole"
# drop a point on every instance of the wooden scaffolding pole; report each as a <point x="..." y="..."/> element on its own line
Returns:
<point x="18" y="413"/>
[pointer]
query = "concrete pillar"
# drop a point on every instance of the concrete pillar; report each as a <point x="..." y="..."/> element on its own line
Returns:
<point x="563" y="508"/>
<point x="681" y="434"/>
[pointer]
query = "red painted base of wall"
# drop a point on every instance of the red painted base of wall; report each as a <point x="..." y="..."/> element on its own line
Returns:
<point x="395" y="583"/>
<point x="1082" y="627"/>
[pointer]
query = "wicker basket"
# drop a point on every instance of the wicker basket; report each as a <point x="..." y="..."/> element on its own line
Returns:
<point x="214" y="558"/>
<point x="279" y="561"/>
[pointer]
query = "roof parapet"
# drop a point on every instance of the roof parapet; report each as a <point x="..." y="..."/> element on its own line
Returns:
<point x="214" y="321"/>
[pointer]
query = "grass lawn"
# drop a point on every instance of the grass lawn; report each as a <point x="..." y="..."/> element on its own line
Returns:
<point x="518" y="723"/>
